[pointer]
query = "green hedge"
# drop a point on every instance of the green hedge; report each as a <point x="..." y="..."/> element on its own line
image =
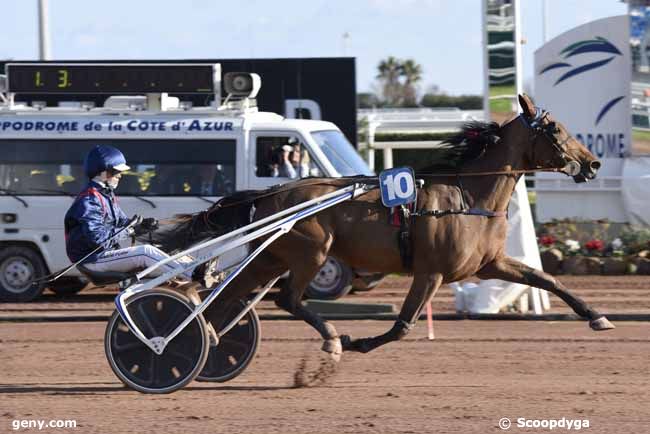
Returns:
<point x="404" y="137"/>
<point x="415" y="158"/>
<point x="463" y="102"/>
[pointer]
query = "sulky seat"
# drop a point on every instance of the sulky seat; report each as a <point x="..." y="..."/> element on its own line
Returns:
<point x="104" y="277"/>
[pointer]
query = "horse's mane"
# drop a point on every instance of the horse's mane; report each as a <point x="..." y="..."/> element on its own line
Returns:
<point x="469" y="144"/>
<point x="230" y="213"/>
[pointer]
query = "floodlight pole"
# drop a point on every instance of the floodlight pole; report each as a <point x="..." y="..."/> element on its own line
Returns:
<point x="43" y="31"/>
<point x="519" y="70"/>
<point x="486" y="63"/>
<point x="544" y="20"/>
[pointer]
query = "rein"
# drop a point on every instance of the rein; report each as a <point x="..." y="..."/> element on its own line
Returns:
<point x="498" y="172"/>
<point x="535" y="124"/>
<point x="434" y="213"/>
<point x="286" y="187"/>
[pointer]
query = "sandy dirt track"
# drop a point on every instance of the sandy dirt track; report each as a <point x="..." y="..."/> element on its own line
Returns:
<point x="473" y="374"/>
<point x="608" y="294"/>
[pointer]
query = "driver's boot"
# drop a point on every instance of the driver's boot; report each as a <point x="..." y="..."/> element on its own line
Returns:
<point x="207" y="274"/>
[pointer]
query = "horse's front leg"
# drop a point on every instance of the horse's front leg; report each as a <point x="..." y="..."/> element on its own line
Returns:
<point x="511" y="270"/>
<point x="422" y="290"/>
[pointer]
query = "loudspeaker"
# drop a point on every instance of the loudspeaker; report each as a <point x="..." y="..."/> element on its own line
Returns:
<point x="242" y="84"/>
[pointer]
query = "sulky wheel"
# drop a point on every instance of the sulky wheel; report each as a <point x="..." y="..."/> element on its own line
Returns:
<point x="236" y="348"/>
<point x="157" y="313"/>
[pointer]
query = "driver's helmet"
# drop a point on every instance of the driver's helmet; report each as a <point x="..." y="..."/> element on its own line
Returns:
<point x="104" y="157"/>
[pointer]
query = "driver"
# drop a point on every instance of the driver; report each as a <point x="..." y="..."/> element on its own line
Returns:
<point x="95" y="218"/>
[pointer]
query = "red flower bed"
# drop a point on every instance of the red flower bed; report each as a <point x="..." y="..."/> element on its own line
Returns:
<point x="547" y="240"/>
<point x="597" y="245"/>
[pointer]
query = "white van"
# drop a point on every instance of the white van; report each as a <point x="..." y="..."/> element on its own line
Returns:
<point x="183" y="159"/>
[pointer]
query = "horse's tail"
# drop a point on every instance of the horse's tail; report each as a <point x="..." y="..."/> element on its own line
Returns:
<point x="228" y="214"/>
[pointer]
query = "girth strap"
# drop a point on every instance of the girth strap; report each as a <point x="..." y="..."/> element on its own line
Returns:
<point x="469" y="211"/>
<point x="404" y="237"/>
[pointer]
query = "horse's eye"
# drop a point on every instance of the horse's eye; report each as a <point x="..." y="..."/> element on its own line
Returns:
<point x="553" y="128"/>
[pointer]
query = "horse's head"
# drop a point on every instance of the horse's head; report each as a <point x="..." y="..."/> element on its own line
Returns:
<point x="553" y="146"/>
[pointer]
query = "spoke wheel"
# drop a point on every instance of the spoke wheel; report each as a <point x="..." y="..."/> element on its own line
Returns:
<point x="333" y="281"/>
<point x="157" y="313"/>
<point x="236" y="349"/>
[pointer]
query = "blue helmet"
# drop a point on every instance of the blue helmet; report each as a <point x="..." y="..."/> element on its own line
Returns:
<point x="104" y="157"/>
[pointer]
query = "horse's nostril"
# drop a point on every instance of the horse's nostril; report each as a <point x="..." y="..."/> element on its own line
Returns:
<point x="594" y="165"/>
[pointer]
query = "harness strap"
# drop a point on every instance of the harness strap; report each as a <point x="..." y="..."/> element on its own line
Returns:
<point x="92" y="191"/>
<point x="404" y="237"/>
<point x="469" y="211"/>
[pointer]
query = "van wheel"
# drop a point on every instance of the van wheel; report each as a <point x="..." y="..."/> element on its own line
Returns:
<point x="19" y="266"/>
<point x="68" y="285"/>
<point x="334" y="280"/>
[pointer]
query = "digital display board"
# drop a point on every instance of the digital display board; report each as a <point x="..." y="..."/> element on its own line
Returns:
<point x="114" y="79"/>
<point x="329" y="82"/>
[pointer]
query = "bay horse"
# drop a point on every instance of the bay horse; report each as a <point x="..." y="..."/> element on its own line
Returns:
<point x="458" y="229"/>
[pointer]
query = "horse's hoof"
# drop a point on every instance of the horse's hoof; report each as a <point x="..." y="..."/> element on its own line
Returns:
<point x="346" y="343"/>
<point x="213" y="336"/>
<point x="334" y="348"/>
<point x="357" y="345"/>
<point x="601" y="324"/>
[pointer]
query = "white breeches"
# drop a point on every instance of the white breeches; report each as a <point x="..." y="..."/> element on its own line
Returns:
<point x="138" y="258"/>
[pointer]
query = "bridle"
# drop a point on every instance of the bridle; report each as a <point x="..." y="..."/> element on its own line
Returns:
<point x="548" y="130"/>
<point x="536" y="125"/>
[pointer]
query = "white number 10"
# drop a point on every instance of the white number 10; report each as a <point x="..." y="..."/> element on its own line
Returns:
<point x="394" y="186"/>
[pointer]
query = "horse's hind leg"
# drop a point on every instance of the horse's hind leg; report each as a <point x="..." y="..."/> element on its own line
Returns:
<point x="290" y="299"/>
<point x="423" y="288"/>
<point x="303" y="269"/>
<point x="507" y="268"/>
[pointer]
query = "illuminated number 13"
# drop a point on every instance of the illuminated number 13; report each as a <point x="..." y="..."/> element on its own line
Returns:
<point x="63" y="79"/>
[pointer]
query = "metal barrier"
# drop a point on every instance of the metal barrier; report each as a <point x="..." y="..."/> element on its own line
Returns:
<point x="409" y="121"/>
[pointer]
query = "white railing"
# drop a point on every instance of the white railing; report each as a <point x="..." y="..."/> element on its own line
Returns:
<point x="418" y="120"/>
<point x="601" y="183"/>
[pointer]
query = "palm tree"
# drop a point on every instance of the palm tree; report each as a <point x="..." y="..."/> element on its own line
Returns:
<point x="412" y="73"/>
<point x="390" y="71"/>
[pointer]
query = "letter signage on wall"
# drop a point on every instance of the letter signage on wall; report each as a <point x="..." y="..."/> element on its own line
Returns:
<point x="583" y="78"/>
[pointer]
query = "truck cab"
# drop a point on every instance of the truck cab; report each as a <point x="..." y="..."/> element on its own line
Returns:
<point x="182" y="158"/>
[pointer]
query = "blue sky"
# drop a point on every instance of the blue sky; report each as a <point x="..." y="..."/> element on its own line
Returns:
<point x="444" y="36"/>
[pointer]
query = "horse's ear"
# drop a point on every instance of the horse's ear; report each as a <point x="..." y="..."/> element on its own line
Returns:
<point x="527" y="105"/>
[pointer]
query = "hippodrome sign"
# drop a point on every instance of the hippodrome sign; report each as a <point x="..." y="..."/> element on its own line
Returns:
<point x="589" y="67"/>
<point x="111" y="125"/>
<point x="397" y="186"/>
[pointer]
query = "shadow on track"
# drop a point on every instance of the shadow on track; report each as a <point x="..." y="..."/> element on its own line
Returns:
<point x="93" y="388"/>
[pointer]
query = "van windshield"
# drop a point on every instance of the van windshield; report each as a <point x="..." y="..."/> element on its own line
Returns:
<point x="340" y="153"/>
